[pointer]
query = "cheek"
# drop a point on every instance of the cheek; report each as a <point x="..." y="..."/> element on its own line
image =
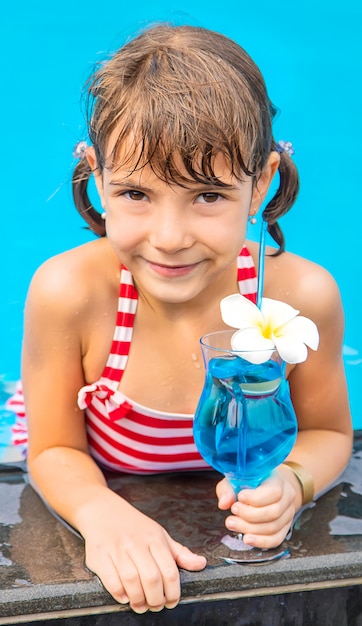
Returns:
<point x="123" y="230"/>
<point x="228" y="232"/>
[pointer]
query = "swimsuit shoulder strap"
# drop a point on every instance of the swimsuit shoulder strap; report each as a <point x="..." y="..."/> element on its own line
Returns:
<point x="127" y="306"/>
<point x="247" y="279"/>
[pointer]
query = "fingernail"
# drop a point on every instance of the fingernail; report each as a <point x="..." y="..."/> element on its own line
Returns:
<point x="157" y="609"/>
<point x="249" y="539"/>
<point x="234" y="509"/>
<point x="124" y="599"/>
<point x="171" y="605"/>
<point x="231" y="524"/>
<point x="142" y="608"/>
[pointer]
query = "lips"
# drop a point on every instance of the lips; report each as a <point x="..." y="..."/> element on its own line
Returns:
<point x="172" y="271"/>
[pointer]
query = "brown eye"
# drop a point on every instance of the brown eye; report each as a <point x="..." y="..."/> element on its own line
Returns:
<point x="209" y="197"/>
<point x="134" y="194"/>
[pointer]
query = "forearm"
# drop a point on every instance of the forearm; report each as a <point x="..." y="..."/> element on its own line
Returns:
<point x="72" y="484"/>
<point x="324" y="454"/>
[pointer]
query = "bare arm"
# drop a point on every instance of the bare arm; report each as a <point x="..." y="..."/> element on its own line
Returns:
<point x="319" y="392"/>
<point x="320" y="398"/>
<point x="134" y="556"/>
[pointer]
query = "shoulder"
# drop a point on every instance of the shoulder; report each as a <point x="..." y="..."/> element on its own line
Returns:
<point x="307" y="286"/>
<point x="303" y="284"/>
<point x="73" y="277"/>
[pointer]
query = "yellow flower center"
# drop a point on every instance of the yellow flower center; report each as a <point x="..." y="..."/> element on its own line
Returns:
<point x="267" y="330"/>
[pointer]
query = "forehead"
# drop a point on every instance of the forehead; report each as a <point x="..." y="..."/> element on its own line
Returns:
<point x="144" y="174"/>
<point x="129" y="156"/>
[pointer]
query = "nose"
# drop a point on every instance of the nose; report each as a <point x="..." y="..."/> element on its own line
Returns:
<point x="170" y="230"/>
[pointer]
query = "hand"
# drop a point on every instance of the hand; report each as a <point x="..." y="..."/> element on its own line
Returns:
<point x="136" y="559"/>
<point x="263" y="515"/>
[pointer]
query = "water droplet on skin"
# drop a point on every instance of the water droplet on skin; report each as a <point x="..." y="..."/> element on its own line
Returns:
<point x="195" y="359"/>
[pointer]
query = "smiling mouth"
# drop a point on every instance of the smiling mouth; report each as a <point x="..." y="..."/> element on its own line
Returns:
<point x="172" y="270"/>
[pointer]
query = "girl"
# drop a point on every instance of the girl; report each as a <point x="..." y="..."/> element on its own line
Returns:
<point x="182" y="154"/>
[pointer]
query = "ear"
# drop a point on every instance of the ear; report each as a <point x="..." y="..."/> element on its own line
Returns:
<point x="263" y="182"/>
<point x="98" y="179"/>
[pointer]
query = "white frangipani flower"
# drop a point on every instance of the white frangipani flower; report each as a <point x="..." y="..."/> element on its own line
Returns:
<point x="276" y="325"/>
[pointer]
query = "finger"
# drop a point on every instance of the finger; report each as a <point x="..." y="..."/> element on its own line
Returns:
<point x="158" y="577"/>
<point x="266" y="541"/>
<point x="270" y="491"/>
<point x="259" y="514"/>
<point x="270" y="539"/>
<point x="170" y="577"/>
<point x="265" y="526"/>
<point x="185" y="558"/>
<point x="225" y="494"/>
<point x="130" y="578"/>
<point x="107" y="572"/>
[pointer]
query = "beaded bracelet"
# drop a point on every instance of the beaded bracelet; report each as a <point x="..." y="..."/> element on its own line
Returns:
<point x="305" y="480"/>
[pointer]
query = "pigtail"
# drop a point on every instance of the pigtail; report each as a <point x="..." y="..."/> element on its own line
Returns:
<point x="284" y="197"/>
<point x="81" y="175"/>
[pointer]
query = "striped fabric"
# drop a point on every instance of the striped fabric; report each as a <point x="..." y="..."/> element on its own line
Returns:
<point x="16" y="404"/>
<point x="123" y="435"/>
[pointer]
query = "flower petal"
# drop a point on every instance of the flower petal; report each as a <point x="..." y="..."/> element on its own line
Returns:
<point x="239" y="312"/>
<point x="301" y="329"/>
<point x="290" y="350"/>
<point x="252" y="346"/>
<point x="276" y="312"/>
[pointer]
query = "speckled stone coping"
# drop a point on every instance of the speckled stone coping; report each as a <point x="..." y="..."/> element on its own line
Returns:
<point x="42" y="573"/>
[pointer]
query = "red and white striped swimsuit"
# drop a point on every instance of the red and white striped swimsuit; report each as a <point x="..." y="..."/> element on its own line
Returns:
<point x="125" y="436"/>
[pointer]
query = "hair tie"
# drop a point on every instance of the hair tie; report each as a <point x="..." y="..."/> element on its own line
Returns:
<point x="80" y="150"/>
<point x="285" y="146"/>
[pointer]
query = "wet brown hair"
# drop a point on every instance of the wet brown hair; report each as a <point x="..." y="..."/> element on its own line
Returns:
<point x="185" y="94"/>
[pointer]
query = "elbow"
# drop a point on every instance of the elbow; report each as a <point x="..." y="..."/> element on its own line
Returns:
<point x="346" y="447"/>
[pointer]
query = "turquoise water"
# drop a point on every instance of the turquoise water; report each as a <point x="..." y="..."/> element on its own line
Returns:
<point x="245" y="425"/>
<point x="310" y="54"/>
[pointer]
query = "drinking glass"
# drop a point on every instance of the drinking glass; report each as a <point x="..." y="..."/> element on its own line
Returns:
<point x="245" y="424"/>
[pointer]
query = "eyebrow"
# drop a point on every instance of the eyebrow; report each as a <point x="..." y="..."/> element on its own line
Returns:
<point x="128" y="184"/>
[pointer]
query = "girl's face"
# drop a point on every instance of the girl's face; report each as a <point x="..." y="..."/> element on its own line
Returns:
<point x="178" y="243"/>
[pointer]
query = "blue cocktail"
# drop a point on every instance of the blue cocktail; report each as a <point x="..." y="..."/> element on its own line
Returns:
<point x="245" y="424"/>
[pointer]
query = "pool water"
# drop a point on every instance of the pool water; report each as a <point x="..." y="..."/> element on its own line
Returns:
<point x="310" y="55"/>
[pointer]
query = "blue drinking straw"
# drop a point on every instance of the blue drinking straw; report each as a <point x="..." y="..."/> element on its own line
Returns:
<point x="260" y="289"/>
